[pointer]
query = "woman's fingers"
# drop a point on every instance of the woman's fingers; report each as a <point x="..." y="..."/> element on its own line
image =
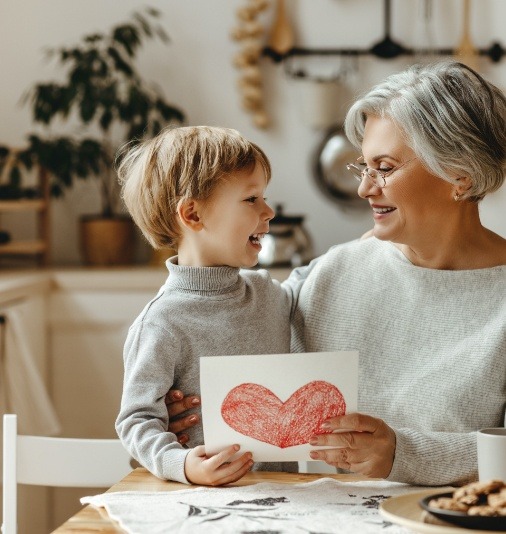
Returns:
<point x="356" y="422"/>
<point x="343" y="458"/>
<point x="180" y="425"/>
<point x="177" y="403"/>
<point x="173" y="395"/>
<point x="359" y="443"/>
<point x="183" y="438"/>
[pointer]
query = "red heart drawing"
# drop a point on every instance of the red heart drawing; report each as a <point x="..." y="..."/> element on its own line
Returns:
<point x="255" y="411"/>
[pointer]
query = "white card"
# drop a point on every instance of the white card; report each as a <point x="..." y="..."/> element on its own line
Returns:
<point x="272" y="404"/>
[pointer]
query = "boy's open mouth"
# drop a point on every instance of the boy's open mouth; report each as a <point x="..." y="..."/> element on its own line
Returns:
<point x="255" y="238"/>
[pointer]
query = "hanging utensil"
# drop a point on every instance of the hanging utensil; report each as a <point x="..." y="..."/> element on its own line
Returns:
<point x="424" y="45"/>
<point x="282" y="38"/>
<point x="330" y="172"/>
<point x="387" y="48"/>
<point x="466" y="52"/>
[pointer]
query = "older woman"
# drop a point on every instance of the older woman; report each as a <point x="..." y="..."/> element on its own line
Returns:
<point x="424" y="300"/>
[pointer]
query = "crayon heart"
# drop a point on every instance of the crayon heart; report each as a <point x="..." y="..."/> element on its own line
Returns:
<point x="257" y="412"/>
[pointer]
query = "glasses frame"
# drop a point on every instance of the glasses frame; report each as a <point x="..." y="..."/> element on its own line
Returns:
<point x="373" y="174"/>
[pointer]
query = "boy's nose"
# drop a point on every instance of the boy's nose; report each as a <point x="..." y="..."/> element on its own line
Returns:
<point x="269" y="213"/>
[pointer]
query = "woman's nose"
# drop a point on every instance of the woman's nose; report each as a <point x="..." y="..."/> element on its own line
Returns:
<point x="367" y="188"/>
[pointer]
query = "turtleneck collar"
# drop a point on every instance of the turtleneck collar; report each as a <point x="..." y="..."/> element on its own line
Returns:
<point x="213" y="279"/>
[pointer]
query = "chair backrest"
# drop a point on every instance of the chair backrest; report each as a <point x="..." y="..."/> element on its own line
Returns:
<point x="65" y="462"/>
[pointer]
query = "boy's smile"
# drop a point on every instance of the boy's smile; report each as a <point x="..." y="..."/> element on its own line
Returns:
<point x="255" y="240"/>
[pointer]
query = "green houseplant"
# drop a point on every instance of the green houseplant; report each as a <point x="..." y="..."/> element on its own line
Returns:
<point x="104" y="97"/>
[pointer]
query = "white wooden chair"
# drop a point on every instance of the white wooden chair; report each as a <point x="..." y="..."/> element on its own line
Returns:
<point x="63" y="462"/>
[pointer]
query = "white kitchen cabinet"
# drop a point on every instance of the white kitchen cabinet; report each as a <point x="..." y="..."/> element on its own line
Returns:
<point x="87" y="333"/>
<point x="27" y="295"/>
<point x="89" y="313"/>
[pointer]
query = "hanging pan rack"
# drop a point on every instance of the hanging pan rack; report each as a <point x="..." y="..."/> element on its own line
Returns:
<point x="387" y="48"/>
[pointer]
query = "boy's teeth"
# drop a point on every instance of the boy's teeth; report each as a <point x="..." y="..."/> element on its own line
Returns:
<point x="255" y="238"/>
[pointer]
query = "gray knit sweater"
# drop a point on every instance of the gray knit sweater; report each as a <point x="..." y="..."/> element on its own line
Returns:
<point x="199" y="311"/>
<point x="432" y="349"/>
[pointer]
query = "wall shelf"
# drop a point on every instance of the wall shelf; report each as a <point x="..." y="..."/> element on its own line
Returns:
<point x="22" y="205"/>
<point x="40" y="245"/>
<point x="23" y="247"/>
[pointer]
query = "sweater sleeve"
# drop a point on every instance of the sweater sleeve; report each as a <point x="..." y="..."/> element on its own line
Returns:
<point x="293" y="285"/>
<point x="149" y="358"/>
<point x="434" y="458"/>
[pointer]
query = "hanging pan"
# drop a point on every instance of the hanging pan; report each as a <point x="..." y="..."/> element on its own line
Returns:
<point x="330" y="172"/>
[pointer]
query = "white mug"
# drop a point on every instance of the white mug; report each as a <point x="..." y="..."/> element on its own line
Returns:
<point x="492" y="454"/>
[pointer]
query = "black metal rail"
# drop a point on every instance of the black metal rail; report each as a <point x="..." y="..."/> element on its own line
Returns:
<point x="387" y="48"/>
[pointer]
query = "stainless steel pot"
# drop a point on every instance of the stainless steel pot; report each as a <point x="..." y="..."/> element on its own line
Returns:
<point x="288" y="243"/>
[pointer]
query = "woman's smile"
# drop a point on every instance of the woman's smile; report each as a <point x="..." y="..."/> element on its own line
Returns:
<point x="381" y="212"/>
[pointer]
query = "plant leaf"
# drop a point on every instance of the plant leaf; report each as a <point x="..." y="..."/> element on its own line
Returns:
<point x="119" y="62"/>
<point x="128" y="37"/>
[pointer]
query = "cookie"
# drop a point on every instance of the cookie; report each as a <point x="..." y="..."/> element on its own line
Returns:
<point x="447" y="503"/>
<point x="476" y="499"/>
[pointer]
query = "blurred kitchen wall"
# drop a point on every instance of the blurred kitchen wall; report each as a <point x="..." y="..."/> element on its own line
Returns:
<point x="196" y="73"/>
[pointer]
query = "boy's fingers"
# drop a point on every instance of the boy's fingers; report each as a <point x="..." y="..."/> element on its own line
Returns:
<point x="199" y="451"/>
<point x="232" y="473"/>
<point x="223" y="456"/>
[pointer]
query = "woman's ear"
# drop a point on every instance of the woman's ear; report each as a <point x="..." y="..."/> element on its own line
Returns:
<point x="189" y="214"/>
<point x="464" y="183"/>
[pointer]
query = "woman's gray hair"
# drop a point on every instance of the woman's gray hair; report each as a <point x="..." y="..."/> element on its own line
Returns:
<point x="451" y="117"/>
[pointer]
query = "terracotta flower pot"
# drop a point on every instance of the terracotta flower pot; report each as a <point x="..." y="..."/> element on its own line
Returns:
<point x="107" y="241"/>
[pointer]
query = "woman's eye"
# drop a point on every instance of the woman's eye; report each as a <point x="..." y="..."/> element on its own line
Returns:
<point x="251" y="200"/>
<point x="385" y="168"/>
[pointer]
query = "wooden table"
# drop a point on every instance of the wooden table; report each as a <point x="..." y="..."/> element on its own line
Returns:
<point x="90" y="519"/>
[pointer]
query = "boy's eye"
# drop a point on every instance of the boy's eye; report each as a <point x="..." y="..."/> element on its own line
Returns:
<point x="251" y="200"/>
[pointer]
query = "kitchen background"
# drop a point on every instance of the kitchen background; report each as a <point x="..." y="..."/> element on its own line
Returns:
<point x="195" y="72"/>
<point x="77" y="318"/>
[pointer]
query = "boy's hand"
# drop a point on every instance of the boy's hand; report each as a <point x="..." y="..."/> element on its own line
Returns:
<point x="218" y="469"/>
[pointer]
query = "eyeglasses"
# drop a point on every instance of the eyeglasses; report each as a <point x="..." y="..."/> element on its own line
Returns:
<point x="376" y="177"/>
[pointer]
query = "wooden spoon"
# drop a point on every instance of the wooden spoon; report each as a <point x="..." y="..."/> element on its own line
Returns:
<point x="466" y="52"/>
<point x="281" y="39"/>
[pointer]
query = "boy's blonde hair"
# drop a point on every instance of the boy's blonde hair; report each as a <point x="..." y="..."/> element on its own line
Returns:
<point x="180" y="164"/>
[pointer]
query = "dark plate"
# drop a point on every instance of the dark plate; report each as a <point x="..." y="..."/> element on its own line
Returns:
<point x="462" y="519"/>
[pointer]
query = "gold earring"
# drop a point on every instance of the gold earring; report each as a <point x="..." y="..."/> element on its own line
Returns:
<point x="456" y="196"/>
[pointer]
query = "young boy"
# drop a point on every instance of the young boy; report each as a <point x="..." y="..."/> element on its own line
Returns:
<point x="200" y="190"/>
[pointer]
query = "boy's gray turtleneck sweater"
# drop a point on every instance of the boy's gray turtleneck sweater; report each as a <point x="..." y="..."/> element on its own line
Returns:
<point x="199" y="311"/>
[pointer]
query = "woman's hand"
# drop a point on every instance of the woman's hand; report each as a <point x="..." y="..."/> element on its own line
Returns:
<point x="363" y="444"/>
<point x="218" y="469"/>
<point x="178" y="404"/>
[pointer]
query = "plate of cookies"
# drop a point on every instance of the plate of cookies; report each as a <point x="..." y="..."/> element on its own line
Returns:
<point x="479" y="505"/>
<point x="437" y="513"/>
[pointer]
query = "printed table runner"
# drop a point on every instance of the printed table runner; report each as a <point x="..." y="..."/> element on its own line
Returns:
<point x="324" y="506"/>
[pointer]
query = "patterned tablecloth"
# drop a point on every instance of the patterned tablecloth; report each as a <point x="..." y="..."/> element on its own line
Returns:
<point x="324" y="506"/>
